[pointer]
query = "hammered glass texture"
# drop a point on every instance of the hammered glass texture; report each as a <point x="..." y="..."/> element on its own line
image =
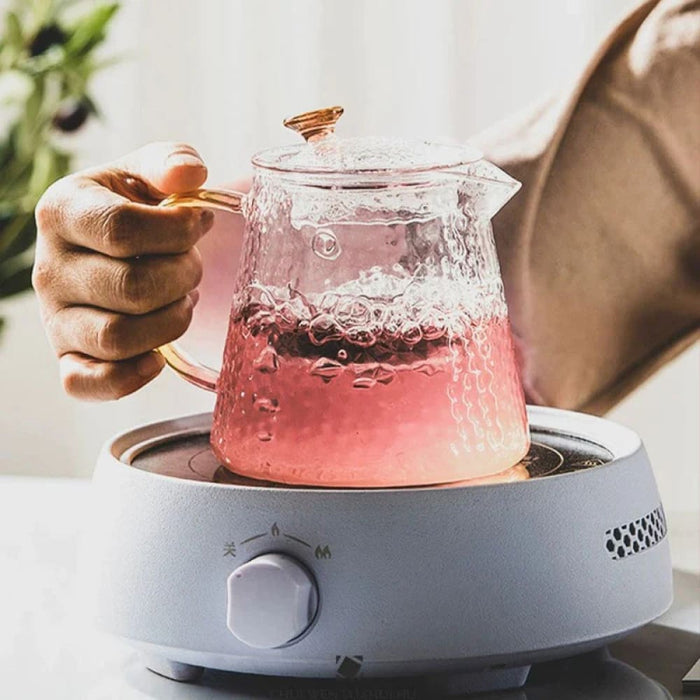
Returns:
<point x="369" y="341"/>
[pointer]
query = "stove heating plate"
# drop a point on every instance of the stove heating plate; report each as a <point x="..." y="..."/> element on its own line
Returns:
<point x="188" y="456"/>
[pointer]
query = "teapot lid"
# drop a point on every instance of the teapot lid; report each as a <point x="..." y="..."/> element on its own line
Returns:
<point x="324" y="153"/>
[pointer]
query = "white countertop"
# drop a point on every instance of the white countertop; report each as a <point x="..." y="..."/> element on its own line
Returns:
<point x="48" y="648"/>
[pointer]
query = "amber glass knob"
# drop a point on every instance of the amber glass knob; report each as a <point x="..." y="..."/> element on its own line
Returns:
<point x="315" y="125"/>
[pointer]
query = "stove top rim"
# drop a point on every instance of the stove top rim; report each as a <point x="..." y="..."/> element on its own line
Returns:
<point x="127" y="456"/>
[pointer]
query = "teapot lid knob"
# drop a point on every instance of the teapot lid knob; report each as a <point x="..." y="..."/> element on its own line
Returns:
<point x="315" y="125"/>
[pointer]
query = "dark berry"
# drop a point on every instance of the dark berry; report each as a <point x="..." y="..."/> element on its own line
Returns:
<point x="71" y="115"/>
<point x="45" y="38"/>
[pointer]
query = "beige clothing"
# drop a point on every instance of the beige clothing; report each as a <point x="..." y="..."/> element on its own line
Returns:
<point x="600" y="250"/>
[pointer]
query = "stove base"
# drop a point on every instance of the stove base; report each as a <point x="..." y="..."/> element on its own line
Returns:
<point x="449" y="684"/>
<point x="438" y="685"/>
<point x="174" y="670"/>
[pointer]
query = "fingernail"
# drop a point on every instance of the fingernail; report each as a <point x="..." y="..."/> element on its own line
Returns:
<point x="187" y="159"/>
<point x="149" y="364"/>
<point x="194" y="296"/>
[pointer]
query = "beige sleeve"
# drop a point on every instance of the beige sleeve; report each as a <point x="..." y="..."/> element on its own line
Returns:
<point x="600" y="251"/>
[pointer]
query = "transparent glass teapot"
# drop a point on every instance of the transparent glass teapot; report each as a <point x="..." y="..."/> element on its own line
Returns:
<point x="368" y="342"/>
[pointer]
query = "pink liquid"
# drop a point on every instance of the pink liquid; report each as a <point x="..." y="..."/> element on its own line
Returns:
<point x="302" y="401"/>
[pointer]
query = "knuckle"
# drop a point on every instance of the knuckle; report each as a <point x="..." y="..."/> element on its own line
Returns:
<point x="197" y="266"/>
<point x="56" y="329"/>
<point x="116" y="382"/>
<point x="47" y="210"/>
<point x="69" y="383"/>
<point x="72" y="383"/>
<point x="44" y="213"/>
<point x="188" y="270"/>
<point x="137" y="287"/>
<point x="43" y="276"/>
<point x="111" y="340"/>
<point x="119" y="230"/>
<point x="184" y="230"/>
<point x="181" y="319"/>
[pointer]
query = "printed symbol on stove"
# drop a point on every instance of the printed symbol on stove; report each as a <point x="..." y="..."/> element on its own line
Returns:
<point x="230" y="549"/>
<point x="297" y="539"/>
<point x="275" y="531"/>
<point x="323" y="552"/>
<point x="348" y="666"/>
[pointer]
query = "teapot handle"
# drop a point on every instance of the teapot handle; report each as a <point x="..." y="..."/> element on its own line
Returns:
<point x="181" y="361"/>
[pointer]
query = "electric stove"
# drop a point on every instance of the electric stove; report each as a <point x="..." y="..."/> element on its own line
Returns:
<point x="456" y="588"/>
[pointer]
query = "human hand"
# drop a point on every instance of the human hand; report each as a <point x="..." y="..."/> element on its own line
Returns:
<point x="116" y="276"/>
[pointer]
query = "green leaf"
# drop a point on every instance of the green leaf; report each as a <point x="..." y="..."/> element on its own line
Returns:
<point x="7" y="152"/>
<point x="32" y="115"/>
<point x="90" y="30"/>
<point x="43" y="11"/>
<point x="11" y="43"/>
<point x="15" y="273"/>
<point x="13" y="32"/>
<point x="19" y="280"/>
<point x="43" y="171"/>
<point x="15" y="177"/>
<point x="17" y="235"/>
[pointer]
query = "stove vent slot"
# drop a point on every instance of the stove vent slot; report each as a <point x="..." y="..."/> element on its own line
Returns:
<point x="636" y="536"/>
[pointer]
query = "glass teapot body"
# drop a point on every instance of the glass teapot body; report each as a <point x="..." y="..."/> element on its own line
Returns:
<point x="368" y="341"/>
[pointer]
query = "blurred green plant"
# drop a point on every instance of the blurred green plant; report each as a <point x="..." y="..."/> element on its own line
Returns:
<point x="47" y="60"/>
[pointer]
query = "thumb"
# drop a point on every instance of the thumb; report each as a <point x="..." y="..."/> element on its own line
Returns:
<point x="167" y="166"/>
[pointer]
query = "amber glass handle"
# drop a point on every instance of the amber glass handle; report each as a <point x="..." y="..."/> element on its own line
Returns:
<point x="181" y="361"/>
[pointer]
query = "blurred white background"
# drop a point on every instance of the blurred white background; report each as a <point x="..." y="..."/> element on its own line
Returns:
<point x="222" y="74"/>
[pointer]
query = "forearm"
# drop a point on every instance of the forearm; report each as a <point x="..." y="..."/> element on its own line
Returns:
<point x="601" y="253"/>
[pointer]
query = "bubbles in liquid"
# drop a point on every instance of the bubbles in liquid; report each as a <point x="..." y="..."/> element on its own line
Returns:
<point x="326" y="368"/>
<point x="288" y="316"/>
<point x="385" y="374"/>
<point x="267" y="361"/>
<point x="364" y="382"/>
<point x="411" y="333"/>
<point x="369" y="376"/>
<point x="426" y="368"/>
<point x="267" y="405"/>
<point x="354" y="311"/>
<point x="260" y="321"/>
<point x="324" y="329"/>
<point x="361" y="337"/>
<point x="342" y="354"/>
<point x="433" y="328"/>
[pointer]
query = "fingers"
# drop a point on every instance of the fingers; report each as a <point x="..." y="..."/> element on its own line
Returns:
<point x="114" y="273"/>
<point x="93" y="380"/>
<point x="110" y="209"/>
<point x="105" y="335"/>
<point x="132" y="287"/>
<point x="81" y="213"/>
<point x="168" y="167"/>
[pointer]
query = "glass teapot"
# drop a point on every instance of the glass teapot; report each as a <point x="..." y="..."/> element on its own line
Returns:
<point x="368" y="342"/>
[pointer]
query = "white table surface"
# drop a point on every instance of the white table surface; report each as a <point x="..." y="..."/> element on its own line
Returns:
<point x="48" y="648"/>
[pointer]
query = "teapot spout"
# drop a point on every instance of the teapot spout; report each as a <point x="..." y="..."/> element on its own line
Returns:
<point x="488" y="187"/>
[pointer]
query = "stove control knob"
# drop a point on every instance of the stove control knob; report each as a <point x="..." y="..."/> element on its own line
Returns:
<point x="272" y="600"/>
